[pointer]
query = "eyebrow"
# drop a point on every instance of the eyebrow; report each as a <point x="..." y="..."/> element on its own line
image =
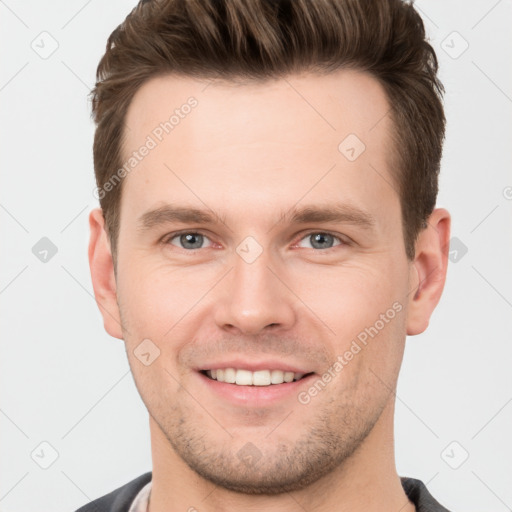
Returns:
<point x="341" y="213"/>
<point x="168" y="213"/>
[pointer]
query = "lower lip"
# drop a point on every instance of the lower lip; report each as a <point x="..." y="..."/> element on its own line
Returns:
<point x="256" y="395"/>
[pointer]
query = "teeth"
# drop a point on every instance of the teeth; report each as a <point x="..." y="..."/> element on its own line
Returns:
<point x="248" y="378"/>
<point x="229" y="375"/>
<point x="243" y="377"/>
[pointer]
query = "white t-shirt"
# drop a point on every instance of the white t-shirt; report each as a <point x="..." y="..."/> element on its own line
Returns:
<point x="141" y="501"/>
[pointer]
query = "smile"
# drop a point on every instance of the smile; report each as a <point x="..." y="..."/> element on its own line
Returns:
<point x="248" y="378"/>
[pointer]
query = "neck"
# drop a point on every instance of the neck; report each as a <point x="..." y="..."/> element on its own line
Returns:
<point x="366" y="481"/>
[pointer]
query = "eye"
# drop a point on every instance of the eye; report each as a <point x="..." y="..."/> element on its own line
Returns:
<point x="322" y="240"/>
<point x="187" y="240"/>
<point x="192" y="240"/>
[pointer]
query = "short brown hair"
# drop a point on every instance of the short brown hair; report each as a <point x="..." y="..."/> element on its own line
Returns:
<point x="259" y="39"/>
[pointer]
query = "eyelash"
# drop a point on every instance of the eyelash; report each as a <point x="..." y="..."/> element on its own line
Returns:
<point x="166" y="240"/>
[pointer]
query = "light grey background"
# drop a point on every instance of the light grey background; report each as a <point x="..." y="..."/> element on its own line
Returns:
<point x="65" y="382"/>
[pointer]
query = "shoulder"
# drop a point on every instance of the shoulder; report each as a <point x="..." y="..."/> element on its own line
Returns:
<point x="120" y="499"/>
<point x="418" y="493"/>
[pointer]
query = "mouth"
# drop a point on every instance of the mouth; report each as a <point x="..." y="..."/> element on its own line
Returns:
<point x="240" y="377"/>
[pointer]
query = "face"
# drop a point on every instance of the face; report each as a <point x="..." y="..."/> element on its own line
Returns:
<point x="296" y="263"/>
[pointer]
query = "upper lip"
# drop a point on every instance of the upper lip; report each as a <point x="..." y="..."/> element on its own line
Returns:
<point x="253" y="366"/>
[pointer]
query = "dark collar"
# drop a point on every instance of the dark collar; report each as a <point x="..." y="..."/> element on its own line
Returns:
<point x="120" y="499"/>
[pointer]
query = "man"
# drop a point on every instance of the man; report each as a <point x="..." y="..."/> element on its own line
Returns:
<point x="267" y="175"/>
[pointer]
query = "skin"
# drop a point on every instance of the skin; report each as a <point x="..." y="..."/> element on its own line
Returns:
<point x="250" y="152"/>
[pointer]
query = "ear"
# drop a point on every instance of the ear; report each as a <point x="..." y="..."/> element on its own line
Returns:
<point x="102" y="274"/>
<point x="428" y="271"/>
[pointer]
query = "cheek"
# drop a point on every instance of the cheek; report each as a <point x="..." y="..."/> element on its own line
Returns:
<point x="154" y="303"/>
<point x="154" y="299"/>
<point x="362" y="314"/>
<point x="349" y="297"/>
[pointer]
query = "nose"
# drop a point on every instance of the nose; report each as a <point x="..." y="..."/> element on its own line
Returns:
<point x="254" y="296"/>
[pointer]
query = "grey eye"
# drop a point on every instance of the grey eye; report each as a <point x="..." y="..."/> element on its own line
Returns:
<point x="320" y="240"/>
<point x="189" y="240"/>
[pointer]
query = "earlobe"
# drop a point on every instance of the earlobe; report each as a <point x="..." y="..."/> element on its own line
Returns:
<point x="428" y="271"/>
<point x="102" y="274"/>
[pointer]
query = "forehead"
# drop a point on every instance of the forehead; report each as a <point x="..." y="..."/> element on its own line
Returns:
<point x="274" y="141"/>
<point x="327" y="104"/>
